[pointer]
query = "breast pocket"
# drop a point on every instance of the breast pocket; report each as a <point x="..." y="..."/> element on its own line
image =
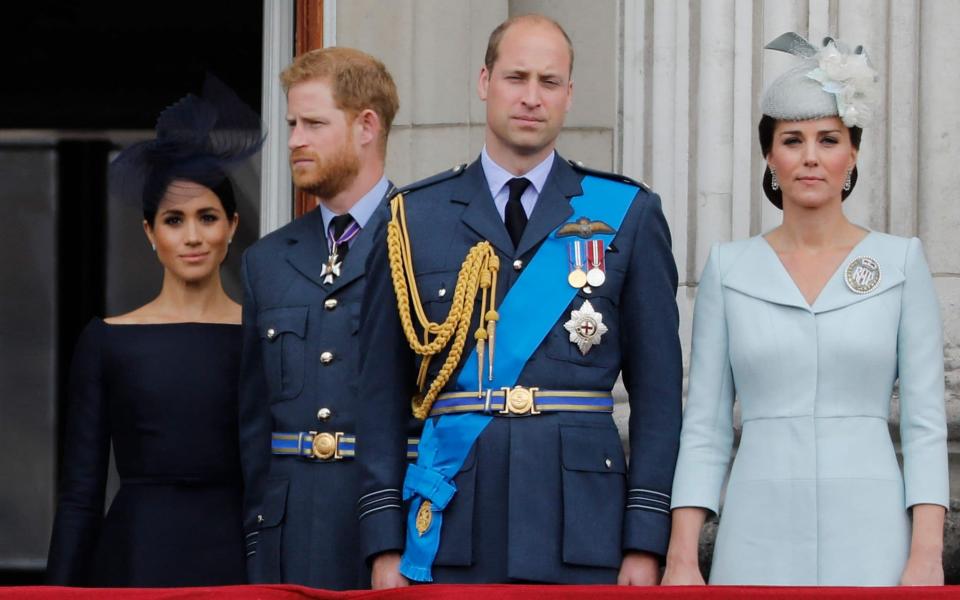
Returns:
<point x="594" y="488"/>
<point x="436" y="293"/>
<point x="601" y="318"/>
<point x="282" y="333"/>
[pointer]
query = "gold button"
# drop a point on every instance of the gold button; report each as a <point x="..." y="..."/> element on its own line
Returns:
<point x="608" y="462"/>
<point x="323" y="414"/>
<point x="271" y="333"/>
<point x="326" y="358"/>
<point x="324" y="446"/>
<point x="330" y="303"/>
<point x="517" y="265"/>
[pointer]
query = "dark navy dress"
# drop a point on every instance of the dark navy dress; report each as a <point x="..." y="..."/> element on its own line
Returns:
<point x="166" y="396"/>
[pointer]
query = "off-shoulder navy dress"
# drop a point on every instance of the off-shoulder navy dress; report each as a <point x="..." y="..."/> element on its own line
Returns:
<point x="166" y="397"/>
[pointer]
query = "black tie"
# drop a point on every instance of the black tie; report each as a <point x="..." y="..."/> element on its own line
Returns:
<point x="515" y="218"/>
<point x="338" y="225"/>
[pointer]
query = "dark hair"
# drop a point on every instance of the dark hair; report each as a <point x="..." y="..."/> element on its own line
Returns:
<point x="765" y="129"/>
<point x="496" y="36"/>
<point x="221" y="187"/>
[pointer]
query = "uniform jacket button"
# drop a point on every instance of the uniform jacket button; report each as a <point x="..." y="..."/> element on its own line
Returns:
<point x="517" y="265"/>
<point x="323" y="414"/>
<point x="271" y="333"/>
<point x="326" y="357"/>
<point x="330" y="303"/>
<point x="608" y="463"/>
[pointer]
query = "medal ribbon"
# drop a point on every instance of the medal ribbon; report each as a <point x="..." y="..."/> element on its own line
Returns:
<point x="446" y="440"/>
<point x="348" y="234"/>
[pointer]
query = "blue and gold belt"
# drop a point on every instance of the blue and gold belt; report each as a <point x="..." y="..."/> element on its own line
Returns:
<point x="325" y="446"/>
<point x="522" y="401"/>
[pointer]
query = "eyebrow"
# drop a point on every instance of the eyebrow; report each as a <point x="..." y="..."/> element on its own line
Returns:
<point x="798" y="132"/>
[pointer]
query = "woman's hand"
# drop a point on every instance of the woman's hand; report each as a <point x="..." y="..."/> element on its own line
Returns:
<point x="923" y="570"/>
<point x="680" y="572"/>
<point x="925" y="564"/>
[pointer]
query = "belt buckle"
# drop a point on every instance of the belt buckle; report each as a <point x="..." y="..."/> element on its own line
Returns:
<point x="325" y="446"/>
<point x="520" y="400"/>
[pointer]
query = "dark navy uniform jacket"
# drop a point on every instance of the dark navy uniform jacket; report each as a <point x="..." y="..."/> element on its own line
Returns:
<point x="301" y="355"/>
<point x="549" y="497"/>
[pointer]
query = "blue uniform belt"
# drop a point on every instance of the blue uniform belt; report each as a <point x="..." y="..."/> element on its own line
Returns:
<point x="522" y="401"/>
<point x="325" y="446"/>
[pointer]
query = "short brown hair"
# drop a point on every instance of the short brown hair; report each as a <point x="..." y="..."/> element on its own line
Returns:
<point x="358" y="82"/>
<point x="496" y="36"/>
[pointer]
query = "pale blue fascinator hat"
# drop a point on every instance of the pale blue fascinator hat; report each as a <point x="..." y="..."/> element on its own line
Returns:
<point x="832" y="81"/>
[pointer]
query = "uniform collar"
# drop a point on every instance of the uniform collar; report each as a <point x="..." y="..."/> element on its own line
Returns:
<point x="497" y="176"/>
<point x="364" y="207"/>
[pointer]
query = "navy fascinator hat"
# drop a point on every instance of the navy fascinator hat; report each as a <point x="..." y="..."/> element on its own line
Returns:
<point x="198" y="139"/>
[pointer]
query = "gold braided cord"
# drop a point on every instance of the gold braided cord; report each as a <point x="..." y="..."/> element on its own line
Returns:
<point x="478" y="273"/>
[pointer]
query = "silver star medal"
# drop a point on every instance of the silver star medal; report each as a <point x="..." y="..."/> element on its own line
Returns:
<point x="585" y="327"/>
<point x="331" y="270"/>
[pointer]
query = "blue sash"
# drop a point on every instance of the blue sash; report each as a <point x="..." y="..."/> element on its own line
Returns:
<point x="446" y="440"/>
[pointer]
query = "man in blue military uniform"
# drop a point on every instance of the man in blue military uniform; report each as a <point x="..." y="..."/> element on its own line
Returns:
<point x="525" y="285"/>
<point x="301" y="310"/>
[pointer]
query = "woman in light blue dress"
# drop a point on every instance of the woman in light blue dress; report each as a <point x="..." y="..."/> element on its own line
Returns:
<point x="810" y="326"/>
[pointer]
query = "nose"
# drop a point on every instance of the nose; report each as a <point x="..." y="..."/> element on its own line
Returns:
<point x="810" y="158"/>
<point x="531" y="94"/>
<point x="193" y="233"/>
<point x="295" y="137"/>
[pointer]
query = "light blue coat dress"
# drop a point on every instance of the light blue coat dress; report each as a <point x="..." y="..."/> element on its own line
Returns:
<point x="815" y="495"/>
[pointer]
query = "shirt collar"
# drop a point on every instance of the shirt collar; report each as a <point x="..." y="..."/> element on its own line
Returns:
<point x="497" y="176"/>
<point x="364" y="207"/>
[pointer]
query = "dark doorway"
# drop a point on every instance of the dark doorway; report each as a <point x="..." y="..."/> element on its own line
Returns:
<point x="81" y="80"/>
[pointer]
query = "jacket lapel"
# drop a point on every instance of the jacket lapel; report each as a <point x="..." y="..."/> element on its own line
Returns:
<point x="481" y="214"/>
<point x="758" y="272"/>
<point x="308" y="252"/>
<point x="553" y="205"/>
<point x="836" y="294"/>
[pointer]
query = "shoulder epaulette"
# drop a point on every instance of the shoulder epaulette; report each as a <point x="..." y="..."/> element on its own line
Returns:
<point x="441" y="176"/>
<point x="579" y="166"/>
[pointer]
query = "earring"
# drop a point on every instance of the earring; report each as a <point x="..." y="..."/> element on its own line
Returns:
<point x="230" y="241"/>
<point x="154" y="247"/>
<point x="847" y="183"/>
<point x="774" y="183"/>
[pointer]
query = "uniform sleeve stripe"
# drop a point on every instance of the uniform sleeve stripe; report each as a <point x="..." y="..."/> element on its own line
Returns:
<point x="642" y="507"/>
<point x="648" y="500"/>
<point x="375" y="501"/>
<point x="385" y="491"/>
<point x="373" y="510"/>
<point x="645" y="491"/>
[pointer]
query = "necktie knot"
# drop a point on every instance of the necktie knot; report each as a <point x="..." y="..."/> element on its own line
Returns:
<point x="339" y="224"/>
<point x="514" y="217"/>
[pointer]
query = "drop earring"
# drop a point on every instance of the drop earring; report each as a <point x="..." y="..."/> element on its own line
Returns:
<point x="153" y="247"/>
<point x="774" y="183"/>
<point x="847" y="184"/>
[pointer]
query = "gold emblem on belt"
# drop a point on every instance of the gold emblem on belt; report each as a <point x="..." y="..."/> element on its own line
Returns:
<point x="519" y="400"/>
<point x="325" y="445"/>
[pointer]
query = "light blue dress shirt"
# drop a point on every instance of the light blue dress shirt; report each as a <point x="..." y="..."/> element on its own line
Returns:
<point x="497" y="178"/>
<point x="362" y="210"/>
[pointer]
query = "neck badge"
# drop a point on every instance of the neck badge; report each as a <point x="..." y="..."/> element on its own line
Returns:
<point x="331" y="270"/>
<point x="862" y="275"/>
<point x="586" y="327"/>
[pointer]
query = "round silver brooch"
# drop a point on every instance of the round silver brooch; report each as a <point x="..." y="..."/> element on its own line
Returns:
<point x="862" y="275"/>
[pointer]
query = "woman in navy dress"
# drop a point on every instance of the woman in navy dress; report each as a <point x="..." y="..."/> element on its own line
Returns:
<point x="160" y="382"/>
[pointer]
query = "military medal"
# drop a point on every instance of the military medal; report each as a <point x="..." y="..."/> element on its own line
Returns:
<point x="862" y="275"/>
<point x="586" y="327"/>
<point x="331" y="270"/>
<point x="595" y="258"/>
<point x="577" y="277"/>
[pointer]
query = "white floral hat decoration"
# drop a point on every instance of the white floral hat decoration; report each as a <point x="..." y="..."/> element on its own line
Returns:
<point x="832" y="81"/>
